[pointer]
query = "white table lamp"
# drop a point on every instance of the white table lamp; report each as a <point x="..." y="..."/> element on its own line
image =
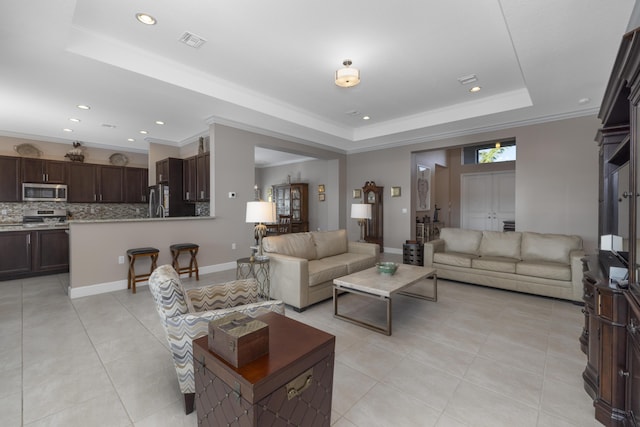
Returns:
<point x="259" y="212"/>
<point x="361" y="212"/>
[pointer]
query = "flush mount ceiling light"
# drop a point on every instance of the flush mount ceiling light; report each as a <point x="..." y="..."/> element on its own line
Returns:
<point x="347" y="77"/>
<point x="146" y="18"/>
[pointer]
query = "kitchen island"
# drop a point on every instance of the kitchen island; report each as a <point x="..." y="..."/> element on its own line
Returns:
<point x="98" y="248"/>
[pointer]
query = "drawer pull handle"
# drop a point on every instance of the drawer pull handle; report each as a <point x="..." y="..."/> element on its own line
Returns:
<point x="623" y="373"/>
<point x="299" y="384"/>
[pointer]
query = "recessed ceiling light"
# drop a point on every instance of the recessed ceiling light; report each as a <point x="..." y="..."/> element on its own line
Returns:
<point x="144" y="132"/>
<point x="475" y="89"/>
<point x="159" y="122"/>
<point x="366" y="118"/>
<point x="84" y="107"/>
<point x="67" y="130"/>
<point x="74" y="120"/>
<point x="146" y="18"/>
<point x="584" y="101"/>
<point x="130" y="139"/>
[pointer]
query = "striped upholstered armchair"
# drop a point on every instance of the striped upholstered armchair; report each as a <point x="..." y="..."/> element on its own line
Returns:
<point x="185" y="315"/>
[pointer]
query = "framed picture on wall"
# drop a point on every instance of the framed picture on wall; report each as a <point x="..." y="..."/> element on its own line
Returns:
<point x="423" y="187"/>
<point x="357" y="193"/>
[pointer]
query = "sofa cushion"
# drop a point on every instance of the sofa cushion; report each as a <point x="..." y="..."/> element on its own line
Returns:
<point x="503" y="265"/>
<point x="544" y="269"/>
<point x="329" y="243"/>
<point x="501" y="244"/>
<point x="323" y="270"/>
<point x="453" y="258"/>
<point x="299" y="245"/>
<point x="355" y="262"/>
<point x="459" y="240"/>
<point x="548" y="247"/>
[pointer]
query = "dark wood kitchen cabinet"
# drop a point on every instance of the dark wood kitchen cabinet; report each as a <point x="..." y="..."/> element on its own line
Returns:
<point x="10" y="184"/>
<point x="15" y="254"/>
<point x="90" y="183"/>
<point x="33" y="253"/>
<point x="82" y="183"/>
<point x="40" y="170"/>
<point x="203" y="176"/>
<point x="136" y="184"/>
<point x="190" y="179"/>
<point x="195" y="182"/>
<point x="51" y="251"/>
<point x="110" y="184"/>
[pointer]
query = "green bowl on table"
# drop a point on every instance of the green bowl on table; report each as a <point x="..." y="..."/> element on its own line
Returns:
<point x="388" y="268"/>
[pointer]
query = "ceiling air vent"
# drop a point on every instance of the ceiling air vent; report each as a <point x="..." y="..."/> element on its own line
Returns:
<point x="191" y="39"/>
<point x="465" y="80"/>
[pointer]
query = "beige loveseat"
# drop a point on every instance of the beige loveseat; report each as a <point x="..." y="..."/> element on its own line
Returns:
<point x="303" y="265"/>
<point x="535" y="263"/>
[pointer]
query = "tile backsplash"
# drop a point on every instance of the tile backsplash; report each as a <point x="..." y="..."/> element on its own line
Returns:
<point x="13" y="212"/>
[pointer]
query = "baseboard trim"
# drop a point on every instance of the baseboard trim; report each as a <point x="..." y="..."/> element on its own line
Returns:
<point x="103" y="288"/>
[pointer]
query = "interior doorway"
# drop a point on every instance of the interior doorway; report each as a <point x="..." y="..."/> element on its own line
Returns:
<point x="487" y="200"/>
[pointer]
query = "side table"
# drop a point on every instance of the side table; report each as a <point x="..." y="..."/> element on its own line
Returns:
<point x="257" y="269"/>
<point x="290" y="386"/>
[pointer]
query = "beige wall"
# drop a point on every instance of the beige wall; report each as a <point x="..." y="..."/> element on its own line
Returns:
<point x="56" y="151"/>
<point x="556" y="178"/>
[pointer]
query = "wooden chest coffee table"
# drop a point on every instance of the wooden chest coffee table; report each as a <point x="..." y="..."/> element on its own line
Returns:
<point x="292" y="385"/>
<point x="372" y="284"/>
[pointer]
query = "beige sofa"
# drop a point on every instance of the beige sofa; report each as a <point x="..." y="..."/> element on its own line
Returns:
<point x="303" y="265"/>
<point x="535" y="263"/>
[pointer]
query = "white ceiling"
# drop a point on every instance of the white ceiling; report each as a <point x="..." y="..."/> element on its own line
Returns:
<point x="268" y="67"/>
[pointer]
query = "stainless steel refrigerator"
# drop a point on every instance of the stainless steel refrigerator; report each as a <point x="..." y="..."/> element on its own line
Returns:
<point x="165" y="201"/>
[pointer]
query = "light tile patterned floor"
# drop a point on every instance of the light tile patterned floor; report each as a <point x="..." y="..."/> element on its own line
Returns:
<point x="477" y="357"/>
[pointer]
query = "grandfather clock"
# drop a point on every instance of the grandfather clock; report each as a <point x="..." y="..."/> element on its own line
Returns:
<point x="373" y="231"/>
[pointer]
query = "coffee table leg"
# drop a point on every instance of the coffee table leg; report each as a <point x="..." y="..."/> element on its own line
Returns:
<point x="417" y="295"/>
<point x="373" y="327"/>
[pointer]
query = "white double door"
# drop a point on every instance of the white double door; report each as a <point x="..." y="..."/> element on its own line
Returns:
<point x="488" y="199"/>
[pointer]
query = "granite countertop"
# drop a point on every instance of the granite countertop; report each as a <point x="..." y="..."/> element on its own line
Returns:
<point x="18" y="226"/>
<point x="115" y="220"/>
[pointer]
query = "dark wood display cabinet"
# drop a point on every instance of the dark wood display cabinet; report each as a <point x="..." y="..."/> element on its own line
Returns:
<point x="33" y="253"/>
<point x="374" y="230"/>
<point x="293" y="199"/>
<point x="611" y="338"/>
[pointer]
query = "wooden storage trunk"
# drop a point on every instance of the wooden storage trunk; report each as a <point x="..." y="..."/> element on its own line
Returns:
<point x="291" y="385"/>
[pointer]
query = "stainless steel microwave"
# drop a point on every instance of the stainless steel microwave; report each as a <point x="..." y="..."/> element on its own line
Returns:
<point x="33" y="192"/>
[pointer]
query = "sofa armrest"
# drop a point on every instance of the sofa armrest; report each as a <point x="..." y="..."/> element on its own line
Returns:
<point x="430" y="248"/>
<point x="372" y="249"/>
<point x="577" y="272"/>
<point x="289" y="278"/>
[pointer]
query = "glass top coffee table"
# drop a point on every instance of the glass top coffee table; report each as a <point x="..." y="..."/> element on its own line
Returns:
<point x="372" y="284"/>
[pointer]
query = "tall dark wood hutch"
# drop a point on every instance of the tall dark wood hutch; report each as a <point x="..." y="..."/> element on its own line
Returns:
<point x="293" y="199"/>
<point x="374" y="231"/>
<point x="611" y="335"/>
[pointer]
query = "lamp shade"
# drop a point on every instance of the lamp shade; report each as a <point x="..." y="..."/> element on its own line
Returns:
<point x="361" y="210"/>
<point x="261" y="212"/>
<point x="347" y="77"/>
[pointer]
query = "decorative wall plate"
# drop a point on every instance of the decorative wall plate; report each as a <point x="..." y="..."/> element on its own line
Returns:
<point x="27" y="150"/>
<point x="118" y="159"/>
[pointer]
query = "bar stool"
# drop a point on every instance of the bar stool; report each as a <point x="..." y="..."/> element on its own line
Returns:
<point x="134" y="254"/>
<point x="179" y="248"/>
